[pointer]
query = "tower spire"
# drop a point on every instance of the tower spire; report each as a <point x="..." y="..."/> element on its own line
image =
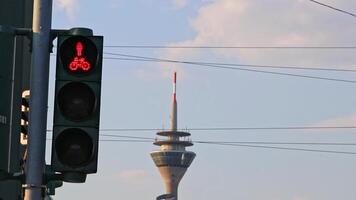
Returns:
<point x="173" y="122"/>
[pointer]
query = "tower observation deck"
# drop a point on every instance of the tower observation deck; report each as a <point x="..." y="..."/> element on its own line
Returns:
<point x="172" y="159"/>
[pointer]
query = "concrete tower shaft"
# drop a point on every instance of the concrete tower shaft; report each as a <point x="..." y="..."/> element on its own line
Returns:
<point x="171" y="178"/>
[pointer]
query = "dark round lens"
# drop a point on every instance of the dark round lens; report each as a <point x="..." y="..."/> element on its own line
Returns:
<point x="74" y="147"/>
<point x="76" y="101"/>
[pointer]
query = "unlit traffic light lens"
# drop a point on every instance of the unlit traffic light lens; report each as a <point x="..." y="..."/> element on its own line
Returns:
<point x="74" y="147"/>
<point x="76" y="101"/>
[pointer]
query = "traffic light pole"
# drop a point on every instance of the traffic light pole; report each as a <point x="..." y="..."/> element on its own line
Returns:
<point x="35" y="164"/>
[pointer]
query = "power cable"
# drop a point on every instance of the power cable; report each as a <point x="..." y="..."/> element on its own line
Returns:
<point x="282" y="148"/>
<point x="143" y="139"/>
<point x="271" y="128"/>
<point x="129" y="141"/>
<point x="333" y="8"/>
<point x="148" y="59"/>
<point x="148" y="139"/>
<point x="118" y="140"/>
<point x="238" y="144"/>
<point x="280" y="143"/>
<point x="249" y="144"/>
<point x="226" y="128"/>
<point x="232" y="64"/>
<point x="227" y="47"/>
<point x="226" y="66"/>
<point x="127" y="136"/>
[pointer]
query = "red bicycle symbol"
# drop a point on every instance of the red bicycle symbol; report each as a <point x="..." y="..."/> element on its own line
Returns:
<point x="79" y="62"/>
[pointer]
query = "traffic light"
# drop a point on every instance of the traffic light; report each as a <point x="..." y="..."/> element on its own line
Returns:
<point x="77" y="106"/>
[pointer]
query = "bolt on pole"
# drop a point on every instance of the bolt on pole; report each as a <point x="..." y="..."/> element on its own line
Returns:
<point x="35" y="164"/>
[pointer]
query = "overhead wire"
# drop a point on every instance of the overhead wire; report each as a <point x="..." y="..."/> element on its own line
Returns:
<point x="227" y="128"/>
<point x="230" y="64"/>
<point x="122" y="140"/>
<point x="281" y="143"/>
<point x="228" y="47"/>
<point x="230" y="67"/>
<point x="238" y="142"/>
<point x="251" y="144"/>
<point x="151" y="59"/>
<point x="234" y="142"/>
<point x="333" y="8"/>
<point x="282" y="148"/>
<point x="127" y="136"/>
<point x="334" y="47"/>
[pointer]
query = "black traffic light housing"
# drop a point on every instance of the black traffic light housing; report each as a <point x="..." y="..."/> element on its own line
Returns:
<point x="77" y="104"/>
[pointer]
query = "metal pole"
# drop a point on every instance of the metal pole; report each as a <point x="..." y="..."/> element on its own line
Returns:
<point x="41" y="27"/>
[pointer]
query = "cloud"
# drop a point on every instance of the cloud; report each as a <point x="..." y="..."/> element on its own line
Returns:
<point x="70" y="7"/>
<point x="133" y="175"/>
<point x="349" y="120"/>
<point x="276" y="23"/>
<point x="180" y="3"/>
<point x="265" y="23"/>
<point x="128" y="174"/>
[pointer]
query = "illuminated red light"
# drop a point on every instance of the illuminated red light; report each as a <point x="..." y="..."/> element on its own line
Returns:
<point x="79" y="61"/>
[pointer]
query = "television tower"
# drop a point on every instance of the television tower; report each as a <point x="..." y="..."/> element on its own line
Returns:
<point x="172" y="159"/>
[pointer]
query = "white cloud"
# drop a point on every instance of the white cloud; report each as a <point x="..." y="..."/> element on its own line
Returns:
<point x="180" y="3"/>
<point x="136" y="173"/>
<point x="69" y="6"/>
<point x="349" y="120"/>
<point x="266" y="23"/>
<point x="133" y="175"/>
<point x="273" y="23"/>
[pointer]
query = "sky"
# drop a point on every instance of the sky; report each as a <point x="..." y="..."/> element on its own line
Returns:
<point x="137" y="94"/>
